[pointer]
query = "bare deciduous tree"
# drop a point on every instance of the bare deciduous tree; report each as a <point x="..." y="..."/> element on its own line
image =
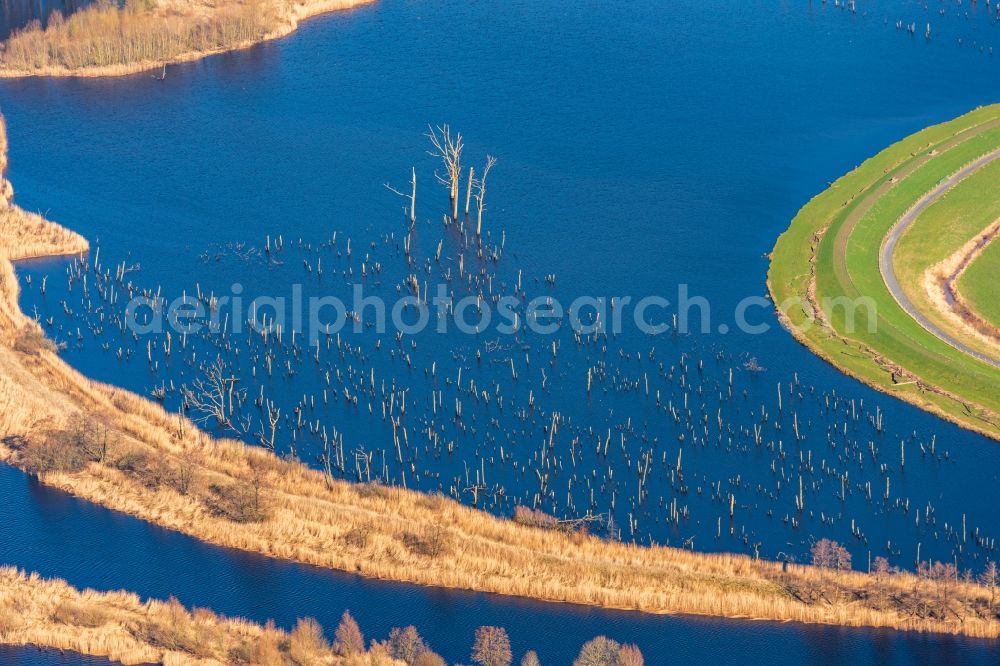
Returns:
<point x="492" y="647"/>
<point x="213" y="395"/>
<point x="412" y="196"/>
<point x="481" y="193"/>
<point x="429" y="658"/>
<point x="184" y="476"/>
<point x="307" y="644"/>
<point x="945" y="577"/>
<point x="530" y="658"/>
<point x="630" y="655"/>
<point x="348" y="639"/>
<point x="273" y="418"/>
<point x="881" y="572"/>
<point x="600" y="651"/>
<point x="449" y="149"/>
<point x="990" y="578"/>
<point x="829" y="554"/>
<point x="406" y="644"/>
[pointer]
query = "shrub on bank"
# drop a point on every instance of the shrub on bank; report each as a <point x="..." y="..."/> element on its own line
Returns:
<point x="31" y="341"/>
<point x="240" y="502"/>
<point x="76" y="614"/>
<point x="432" y="542"/>
<point x="534" y="518"/>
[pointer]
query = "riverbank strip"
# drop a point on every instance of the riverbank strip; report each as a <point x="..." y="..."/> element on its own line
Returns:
<point x="49" y="613"/>
<point x="106" y="40"/>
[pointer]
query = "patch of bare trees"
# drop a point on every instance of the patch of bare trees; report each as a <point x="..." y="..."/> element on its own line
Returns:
<point x="602" y="651"/>
<point x="407" y="646"/>
<point x="448" y="148"/>
<point x="828" y="554"/>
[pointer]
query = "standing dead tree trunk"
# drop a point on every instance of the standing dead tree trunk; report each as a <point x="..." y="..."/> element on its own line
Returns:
<point x="481" y="194"/>
<point x="468" y="190"/>
<point x="412" y="196"/>
<point x="990" y="579"/>
<point x="449" y="149"/>
<point x="327" y="461"/>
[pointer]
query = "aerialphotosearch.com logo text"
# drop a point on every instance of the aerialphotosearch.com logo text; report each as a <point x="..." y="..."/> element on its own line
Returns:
<point x="314" y="317"/>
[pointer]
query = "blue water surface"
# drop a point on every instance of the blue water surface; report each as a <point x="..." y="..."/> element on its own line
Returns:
<point x="641" y="147"/>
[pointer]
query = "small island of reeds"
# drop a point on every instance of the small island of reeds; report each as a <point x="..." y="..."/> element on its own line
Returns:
<point x="109" y="39"/>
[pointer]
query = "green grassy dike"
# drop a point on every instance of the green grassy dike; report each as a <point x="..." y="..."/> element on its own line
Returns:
<point x="948" y="225"/>
<point x="979" y="285"/>
<point x="831" y="250"/>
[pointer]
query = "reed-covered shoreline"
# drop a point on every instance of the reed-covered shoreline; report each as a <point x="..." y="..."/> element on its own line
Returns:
<point x="106" y="39"/>
<point x="122" y="451"/>
<point x="49" y="613"/>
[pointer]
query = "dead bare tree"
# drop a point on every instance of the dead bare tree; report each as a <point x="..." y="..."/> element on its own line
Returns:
<point x="449" y="149"/>
<point x="327" y="461"/>
<point x="945" y="578"/>
<point x="468" y="190"/>
<point x="412" y="196"/>
<point x="474" y="490"/>
<point x="990" y="579"/>
<point x="213" y="396"/>
<point x="481" y="193"/>
<point x="184" y="476"/>
<point x="881" y="572"/>
<point x="827" y="554"/>
<point x="574" y="524"/>
<point x="273" y="418"/>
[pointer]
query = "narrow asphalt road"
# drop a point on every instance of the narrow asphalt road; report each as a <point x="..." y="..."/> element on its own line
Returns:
<point x="889" y="248"/>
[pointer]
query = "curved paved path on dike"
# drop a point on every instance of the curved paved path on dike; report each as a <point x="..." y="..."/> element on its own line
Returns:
<point x="889" y="248"/>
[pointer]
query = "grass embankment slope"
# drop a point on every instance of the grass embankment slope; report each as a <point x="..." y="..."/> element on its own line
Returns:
<point x="107" y="40"/>
<point x="121" y="627"/>
<point x="124" y="452"/>
<point x="979" y="284"/>
<point x="832" y="249"/>
<point x="940" y="244"/>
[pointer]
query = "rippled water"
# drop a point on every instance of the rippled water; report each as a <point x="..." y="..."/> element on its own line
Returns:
<point x="31" y="656"/>
<point x="640" y="148"/>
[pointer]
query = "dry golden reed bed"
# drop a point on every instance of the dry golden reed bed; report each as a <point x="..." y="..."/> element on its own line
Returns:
<point x="105" y="39"/>
<point x="120" y="626"/>
<point x="124" y="452"/>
